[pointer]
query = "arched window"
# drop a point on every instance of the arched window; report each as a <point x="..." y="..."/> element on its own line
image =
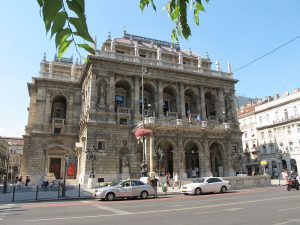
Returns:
<point x="59" y="107"/>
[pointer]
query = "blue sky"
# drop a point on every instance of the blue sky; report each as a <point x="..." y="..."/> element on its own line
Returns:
<point x="234" y="30"/>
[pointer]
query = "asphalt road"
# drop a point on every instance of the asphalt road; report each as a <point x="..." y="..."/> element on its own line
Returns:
<point x="272" y="205"/>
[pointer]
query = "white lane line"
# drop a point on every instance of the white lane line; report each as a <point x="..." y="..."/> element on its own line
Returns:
<point x="281" y="210"/>
<point x="173" y="206"/>
<point x="117" y="211"/>
<point x="167" y="210"/>
<point x="217" y="211"/>
<point x="3" y="213"/>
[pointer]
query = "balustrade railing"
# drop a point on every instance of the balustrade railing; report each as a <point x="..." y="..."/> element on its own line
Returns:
<point x="162" y="63"/>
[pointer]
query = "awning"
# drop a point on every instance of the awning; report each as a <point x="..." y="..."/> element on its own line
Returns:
<point x="142" y="132"/>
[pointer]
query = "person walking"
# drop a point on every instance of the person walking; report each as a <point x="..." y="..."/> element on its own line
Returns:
<point x="154" y="183"/>
<point x="27" y="180"/>
<point x="176" y="181"/>
<point x="168" y="177"/>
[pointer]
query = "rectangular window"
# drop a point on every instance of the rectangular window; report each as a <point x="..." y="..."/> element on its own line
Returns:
<point x="289" y="130"/>
<point x="260" y="120"/>
<point x="120" y="52"/>
<point x="57" y="130"/>
<point x="123" y="121"/>
<point x="291" y="146"/>
<point x="101" y="145"/>
<point x="298" y="128"/>
<point x="120" y="100"/>
<point x="262" y="135"/>
<point x="246" y="136"/>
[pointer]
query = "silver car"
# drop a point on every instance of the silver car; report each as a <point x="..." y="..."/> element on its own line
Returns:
<point x="206" y="185"/>
<point x="125" y="189"/>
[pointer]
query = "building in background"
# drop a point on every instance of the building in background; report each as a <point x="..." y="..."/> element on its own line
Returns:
<point x="276" y="131"/>
<point x="4" y="146"/>
<point x="15" y="156"/>
<point x="138" y="99"/>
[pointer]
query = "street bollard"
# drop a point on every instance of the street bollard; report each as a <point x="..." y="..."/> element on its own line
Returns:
<point x="79" y="190"/>
<point x="37" y="192"/>
<point x="14" y="191"/>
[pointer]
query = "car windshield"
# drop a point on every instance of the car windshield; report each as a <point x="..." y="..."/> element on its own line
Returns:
<point x="199" y="180"/>
<point x="116" y="183"/>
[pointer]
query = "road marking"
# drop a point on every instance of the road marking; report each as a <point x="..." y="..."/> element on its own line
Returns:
<point x="117" y="211"/>
<point x="281" y="210"/>
<point x="296" y="220"/>
<point x="217" y="211"/>
<point x="164" y="210"/>
<point x="173" y="205"/>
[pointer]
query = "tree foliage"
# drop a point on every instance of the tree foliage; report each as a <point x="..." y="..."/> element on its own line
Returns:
<point x="66" y="21"/>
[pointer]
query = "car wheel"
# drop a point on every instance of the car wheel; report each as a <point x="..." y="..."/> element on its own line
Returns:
<point x="198" y="191"/>
<point x="144" y="194"/>
<point x="110" y="196"/>
<point x="223" y="189"/>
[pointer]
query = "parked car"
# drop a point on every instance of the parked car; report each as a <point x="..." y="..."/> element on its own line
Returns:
<point x="124" y="189"/>
<point x="206" y="185"/>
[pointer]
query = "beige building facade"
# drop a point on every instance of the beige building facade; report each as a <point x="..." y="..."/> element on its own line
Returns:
<point x="131" y="86"/>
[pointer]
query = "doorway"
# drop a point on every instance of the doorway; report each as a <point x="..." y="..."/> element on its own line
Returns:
<point x="55" y="167"/>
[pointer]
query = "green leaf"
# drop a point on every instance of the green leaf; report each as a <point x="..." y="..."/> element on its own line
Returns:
<point x="63" y="47"/>
<point x="81" y="4"/>
<point x="81" y="28"/>
<point x="87" y="48"/>
<point x="58" y="22"/>
<point x="61" y="36"/>
<point x="175" y="14"/>
<point x="75" y="6"/>
<point x="50" y="10"/>
<point x="144" y="3"/>
<point x="41" y="2"/>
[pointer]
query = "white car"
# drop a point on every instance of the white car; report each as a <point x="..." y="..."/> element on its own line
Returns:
<point x="124" y="189"/>
<point x="206" y="185"/>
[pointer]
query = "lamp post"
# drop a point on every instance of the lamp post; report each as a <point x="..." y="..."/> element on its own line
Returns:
<point x="93" y="152"/>
<point x="279" y="157"/>
<point x="144" y="163"/>
<point x="63" y="191"/>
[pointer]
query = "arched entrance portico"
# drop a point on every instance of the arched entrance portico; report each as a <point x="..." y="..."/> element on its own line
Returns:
<point x="166" y="162"/>
<point x="216" y="159"/>
<point x="192" y="160"/>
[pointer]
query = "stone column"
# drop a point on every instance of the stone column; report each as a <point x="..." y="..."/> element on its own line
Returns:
<point x="111" y="93"/>
<point x="136" y="98"/>
<point x="230" y="171"/>
<point x="182" y="102"/>
<point x="198" y="102"/>
<point x="160" y="99"/>
<point x="181" y="159"/>
<point x="151" y="148"/>
<point x="221" y="105"/>
<point x="203" y="111"/>
<point x="207" y="166"/>
<point x="48" y="109"/>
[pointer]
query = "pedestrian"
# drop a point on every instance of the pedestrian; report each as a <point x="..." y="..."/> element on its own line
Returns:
<point x="168" y="176"/>
<point x="27" y="180"/>
<point x="154" y="183"/>
<point x="176" y="181"/>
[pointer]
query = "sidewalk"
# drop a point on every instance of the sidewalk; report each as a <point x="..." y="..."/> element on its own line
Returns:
<point x="29" y="194"/>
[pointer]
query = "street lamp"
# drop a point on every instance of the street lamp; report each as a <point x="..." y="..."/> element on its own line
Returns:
<point x="144" y="163"/>
<point x="93" y="152"/>
<point x="280" y="156"/>
<point x="63" y="191"/>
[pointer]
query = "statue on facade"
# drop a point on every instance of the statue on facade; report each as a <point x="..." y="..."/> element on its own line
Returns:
<point x="101" y="95"/>
<point x="124" y="166"/>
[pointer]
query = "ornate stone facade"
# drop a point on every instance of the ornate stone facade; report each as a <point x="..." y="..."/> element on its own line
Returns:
<point x="134" y="83"/>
